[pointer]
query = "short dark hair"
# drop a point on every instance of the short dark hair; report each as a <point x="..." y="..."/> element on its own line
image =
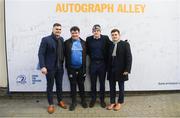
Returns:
<point x="96" y="26"/>
<point x="75" y="28"/>
<point x="115" y="30"/>
<point x="56" y="24"/>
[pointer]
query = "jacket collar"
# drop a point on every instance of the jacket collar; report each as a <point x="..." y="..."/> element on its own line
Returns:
<point x="54" y="37"/>
<point x="78" y="39"/>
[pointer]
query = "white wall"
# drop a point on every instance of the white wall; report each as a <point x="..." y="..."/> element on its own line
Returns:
<point x="3" y="69"/>
<point x="153" y="36"/>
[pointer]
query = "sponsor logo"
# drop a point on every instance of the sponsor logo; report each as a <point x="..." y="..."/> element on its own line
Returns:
<point x="21" y="79"/>
<point x="35" y="79"/>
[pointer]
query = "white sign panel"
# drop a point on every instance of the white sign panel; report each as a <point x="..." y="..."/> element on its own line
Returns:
<point x="152" y="28"/>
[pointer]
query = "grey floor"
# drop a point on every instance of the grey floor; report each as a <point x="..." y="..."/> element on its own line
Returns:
<point x="136" y="105"/>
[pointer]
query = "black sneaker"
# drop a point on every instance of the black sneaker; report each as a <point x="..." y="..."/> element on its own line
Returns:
<point x="92" y="103"/>
<point x="84" y="104"/>
<point x="72" y="107"/>
<point x="103" y="104"/>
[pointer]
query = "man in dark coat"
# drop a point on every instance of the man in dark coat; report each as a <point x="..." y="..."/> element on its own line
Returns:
<point x="97" y="49"/>
<point x="75" y="55"/>
<point x="51" y="58"/>
<point x="119" y="66"/>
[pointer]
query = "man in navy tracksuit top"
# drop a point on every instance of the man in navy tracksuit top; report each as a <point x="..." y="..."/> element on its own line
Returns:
<point x="75" y="55"/>
<point x="97" y="49"/>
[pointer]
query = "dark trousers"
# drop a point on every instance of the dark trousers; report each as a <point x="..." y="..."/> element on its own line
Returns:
<point x="57" y="76"/>
<point x="112" y="84"/>
<point x="97" y="69"/>
<point x="76" y="77"/>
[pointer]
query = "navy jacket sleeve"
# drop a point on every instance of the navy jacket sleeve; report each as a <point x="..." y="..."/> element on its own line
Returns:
<point x="62" y="39"/>
<point x="65" y="54"/>
<point x="87" y="46"/>
<point x="42" y="52"/>
<point x="128" y="58"/>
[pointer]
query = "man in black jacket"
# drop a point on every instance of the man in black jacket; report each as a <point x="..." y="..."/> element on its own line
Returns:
<point x="75" y="55"/>
<point x="97" y="49"/>
<point x="119" y="66"/>
<point x="51" y="58"/>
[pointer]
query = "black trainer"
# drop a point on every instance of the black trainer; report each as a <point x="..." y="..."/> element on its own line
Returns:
<point x="84" y="104"/>
<point x="92" y="103"/>
<point x="103" y="104"/>
<point x="72" y="107"/>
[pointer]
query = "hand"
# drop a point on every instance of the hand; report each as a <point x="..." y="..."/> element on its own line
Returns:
<point x="125" y="73"/>
<point x="44" y="70"/>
